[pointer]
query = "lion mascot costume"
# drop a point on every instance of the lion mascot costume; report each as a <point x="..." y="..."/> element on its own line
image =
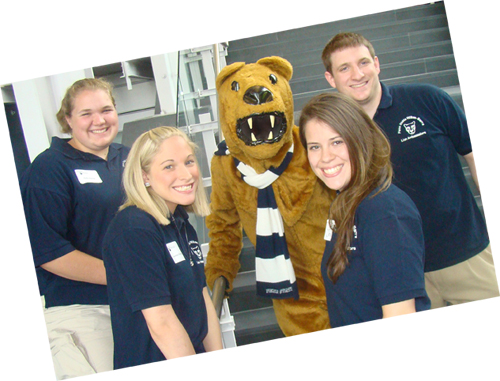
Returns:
<point x="262" y="183"/>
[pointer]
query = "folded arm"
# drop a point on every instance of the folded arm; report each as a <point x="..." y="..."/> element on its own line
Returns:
<point x="78" y="266"/>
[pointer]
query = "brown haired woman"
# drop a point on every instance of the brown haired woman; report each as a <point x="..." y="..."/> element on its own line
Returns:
<point x="373" y="264"/>
<point x="71" y="192"/>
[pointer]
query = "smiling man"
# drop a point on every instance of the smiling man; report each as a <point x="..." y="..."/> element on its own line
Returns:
<point x="427" y="130"/>
<point x="354" y="71"/>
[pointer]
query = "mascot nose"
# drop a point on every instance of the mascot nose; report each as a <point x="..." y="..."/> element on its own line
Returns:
<point x="257" y="95"/>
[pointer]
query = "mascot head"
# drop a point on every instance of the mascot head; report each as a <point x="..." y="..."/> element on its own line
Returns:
<point x="256" y="110"/>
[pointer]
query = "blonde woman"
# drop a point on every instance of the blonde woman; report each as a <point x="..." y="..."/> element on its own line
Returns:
<point x="70" y="193"/>
<point x="373" y="264"/>
<point x="160" y="306"/>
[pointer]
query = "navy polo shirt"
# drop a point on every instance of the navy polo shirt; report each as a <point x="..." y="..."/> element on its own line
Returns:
<point x="386" y="261"/>
<point x="69" y="199"/>
<point x="149" y="265"/>
<point x="427" y="130"/>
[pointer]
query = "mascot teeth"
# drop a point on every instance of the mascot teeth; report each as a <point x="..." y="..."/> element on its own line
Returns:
<point x="261" y="128"/>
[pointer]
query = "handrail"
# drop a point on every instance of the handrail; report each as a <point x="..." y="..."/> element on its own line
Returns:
<point x="220" y="284"/>
<point x="217" y="71"/>
<point x="218" y="292"/>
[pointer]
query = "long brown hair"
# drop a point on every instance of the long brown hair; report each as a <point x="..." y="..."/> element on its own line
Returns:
<point x="369" y="155"/>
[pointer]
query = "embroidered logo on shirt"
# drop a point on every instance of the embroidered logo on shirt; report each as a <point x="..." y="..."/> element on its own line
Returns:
<point x="354" y="237"/>
<point x="410" y="128"/>
<point x="196" y="253"/>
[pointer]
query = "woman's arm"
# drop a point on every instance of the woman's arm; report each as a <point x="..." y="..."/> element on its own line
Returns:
<point x="213" y="340"/>
<point x="399" y="308"/>
<point x="168" y="332"/>
<point x="78" y="266"/>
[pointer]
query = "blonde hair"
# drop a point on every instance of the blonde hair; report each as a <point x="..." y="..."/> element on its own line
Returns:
<point x="68" y="102"/>
<point x="139" y="160"/>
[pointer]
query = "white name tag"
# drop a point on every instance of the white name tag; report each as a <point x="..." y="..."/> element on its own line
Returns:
<point x="328" y="230"/>
<point x="88" y="176"/>
<point x="175" y="252"/>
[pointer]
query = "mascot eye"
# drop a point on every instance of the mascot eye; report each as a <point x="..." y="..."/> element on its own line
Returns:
<point x="235" y="86"/>
<point x="273" y="79"/>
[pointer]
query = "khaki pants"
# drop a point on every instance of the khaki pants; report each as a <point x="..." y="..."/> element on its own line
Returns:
<point x="474" y="279"/>
<point x="81" y="339"/>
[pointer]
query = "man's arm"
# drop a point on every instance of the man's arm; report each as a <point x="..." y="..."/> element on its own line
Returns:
<point x="469" y="158"/>
<point x="78" y="266"/>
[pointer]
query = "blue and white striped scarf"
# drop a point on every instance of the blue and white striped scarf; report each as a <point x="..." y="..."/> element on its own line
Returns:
<point x="273" y="268"/>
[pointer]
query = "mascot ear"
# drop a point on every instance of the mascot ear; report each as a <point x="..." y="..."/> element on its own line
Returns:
<point x="226" y="72"/>
<point x="278" y="64"/>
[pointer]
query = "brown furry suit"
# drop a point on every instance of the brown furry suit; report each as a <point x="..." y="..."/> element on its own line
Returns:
<point x="262" y="89"/>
